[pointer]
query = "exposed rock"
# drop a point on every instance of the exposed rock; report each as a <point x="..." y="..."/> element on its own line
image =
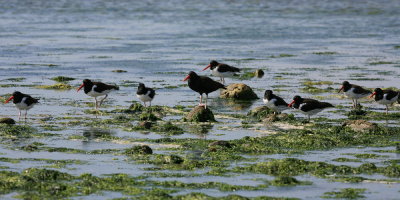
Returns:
<point x="145" y="124"/>
<point x="200" y="114"/>
<point x="119" y="71"/>
<point x="239" y="91"/>
<point x="259" y="73"/>
<point x="220" y="143"/>
<point x="173" y="159"/>
<point x="360" y="125"/>
<point x="6" y="121"/>
<point x="260" y="112"/>
<point x="143" y="149"/>
<point x="274" y="118"/>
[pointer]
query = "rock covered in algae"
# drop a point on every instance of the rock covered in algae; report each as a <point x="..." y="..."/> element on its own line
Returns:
<point x="259" y="73"/>
<point x="260" y="112"/>
<point x="239" y="91"/>
<point x="6" y="121"/>
<point x="200" y="114"/>
<point x="143" y="149"/>
<point x="173" y="159"/>
<point x="360" y="125"/>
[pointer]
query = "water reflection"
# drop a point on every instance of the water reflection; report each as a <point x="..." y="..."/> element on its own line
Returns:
<point x="232" y="104"/>
<point x="94" y="133"/>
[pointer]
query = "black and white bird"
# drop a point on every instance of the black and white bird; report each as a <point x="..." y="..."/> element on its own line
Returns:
<point x="276" y="103"/>
<point x="385" y="97"/>
<point x="308" y="107"/>
<point x="202" y="84"/>
<point x="22" y="102"/>
<point x="354" y="92"/>
<point x="221" y="70"/>
<point x="95" y="89"/>
<point x="145" y="94"/>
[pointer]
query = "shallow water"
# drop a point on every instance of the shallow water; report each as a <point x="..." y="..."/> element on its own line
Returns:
<point x="158" y="42"/>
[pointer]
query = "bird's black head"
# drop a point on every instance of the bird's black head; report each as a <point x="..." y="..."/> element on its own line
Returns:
<point x="378" y="91"/>
<point x="17" y="94"/>
<point x="268" y="94"/>
<point x="345" y="86"/>
<point x="141" y="85"/>
<point x="191" y="75"/>
<point x="87" y="81"/>
<point x="213" y="63"/>
<point x="297" y="100"/>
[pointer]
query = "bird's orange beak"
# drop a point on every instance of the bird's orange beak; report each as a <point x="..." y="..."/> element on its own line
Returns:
<point x="373" y="94"/>
<point x="340" y="89"/>
<point x="290" y="105"/>
<point x="80" y="87"/>
<point x="186" y="78"/>
<point x="9" y="99"/>
<point x="207" y="67"/>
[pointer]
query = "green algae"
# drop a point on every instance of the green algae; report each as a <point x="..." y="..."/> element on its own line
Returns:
<point x="282" y="55"/>
<point x="57" y="86"/>
<point x="381" y="63"/>
<point x="143" y="149"/>
<point x="288" y="181"/>
<point x="62" y="79"/>
<point x="346" y="160"/>
<point x="325" y="53"/>
<point x="16" y="131"/>
<point x="345" y="193"/>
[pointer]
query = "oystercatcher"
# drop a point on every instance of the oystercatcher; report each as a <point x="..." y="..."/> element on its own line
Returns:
<point x="385" y="97"/>
<point x="308" y="106"/>
<point x="202" y="84"/>
<point x="277" y="104"/>
<point x="22" y="102"/>
<point x="95" y="89"/>
<point x="354" y="92"/>
<point x="145" y="94"/>
<point x="221" y="70"/>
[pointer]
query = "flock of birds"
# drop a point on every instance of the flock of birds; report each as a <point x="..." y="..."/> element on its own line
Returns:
<point x="206" y="85"/>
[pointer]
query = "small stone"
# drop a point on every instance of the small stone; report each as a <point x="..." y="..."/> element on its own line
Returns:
<point x="239" y="91"/>
<point x="7" y="121"/>
<point x="119" y="71"/>
<point x="259" y="73"/>
<point x="143" y="149"/>
<point x="271" y="118"/>
<point x="220" y="143"/>
<point x="360" y="125"/>
<point x="200" y="114"/>
<point x="145" y="124"/>
<point x="173" y="159"/>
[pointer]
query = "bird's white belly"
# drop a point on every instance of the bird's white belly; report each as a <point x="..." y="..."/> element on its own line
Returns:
<point x="144" y="97"/>
<point x="215" y="72"/>
<point x="384" y="101"/>
<point x="271" y="105"/>
<point x="350" y="94"/>
<point x="23" y="106"/>
<point x="93" y="93"/>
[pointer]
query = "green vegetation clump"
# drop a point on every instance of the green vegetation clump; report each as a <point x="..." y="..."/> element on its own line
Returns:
<point x="381" y="63"/>
<point x="287" y="181"/>
<point x="325" y="53"/>
<point x="143" y="149"/>
<point x="346" y="193"/>
<point x="57" y="86"/>
<point x="16" y="131"/>
<point x="62" y="79"/>
<point x="170" y="129"/>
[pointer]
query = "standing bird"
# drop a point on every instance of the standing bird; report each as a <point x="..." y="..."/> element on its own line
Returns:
<point x="308" y="106"/>
<point x="202" y="84"/>
<point x="95" y="89"/>
<point x="145" y="94"/>
<point x="22" y="102"/>
<point x="385" y="97"/>
<point x="277" y="104"/>
<point x="354" y="92"/>
<point x="221" y="70"/>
